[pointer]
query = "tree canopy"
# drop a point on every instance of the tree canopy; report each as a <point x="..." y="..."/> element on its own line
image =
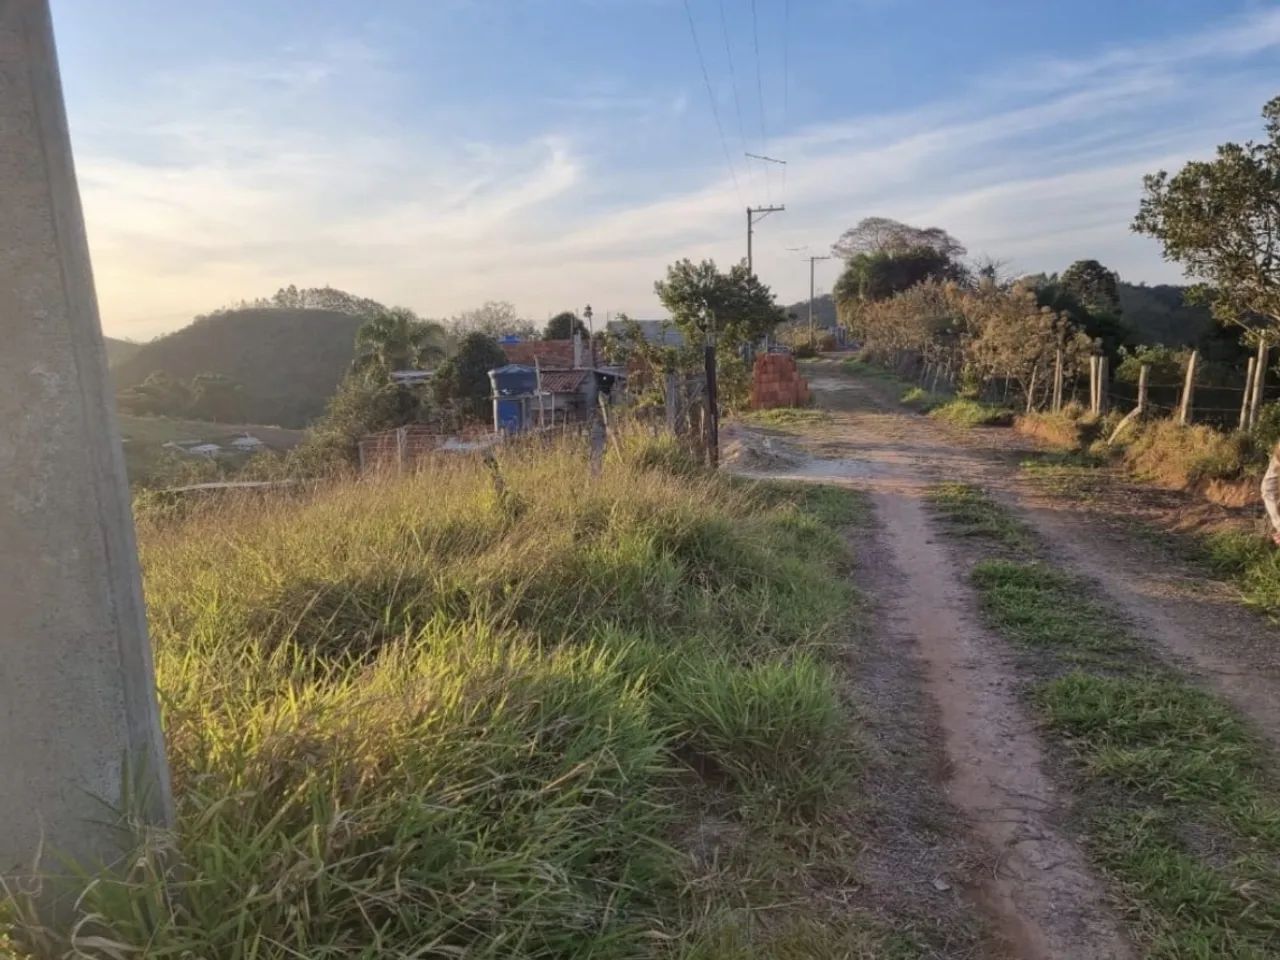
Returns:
<point x="462" y="381"/>
<point x="396" y="339"/>
<point x="493" y="318"/>
<point x="881" y="235"/>
<point x="563" y="326"/>
<point x="734" y="306"/>
<point x="1220" y="219"/>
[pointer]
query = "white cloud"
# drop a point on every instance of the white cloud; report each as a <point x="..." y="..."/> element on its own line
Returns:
<point x="250" y="177"/>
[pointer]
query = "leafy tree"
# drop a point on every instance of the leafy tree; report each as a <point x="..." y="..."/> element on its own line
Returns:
<point x="1095" y="287"/>
<point x="494" y="318"/>
<point x="159" y="395"/>
<point x="563" y="326"/>
<point x="1064" y="295"/>
<point x="734" y="306"/>
<point x="462" y="381"/>
<point x="216" y="397"/>
<point x="396" y="339"/>
<point x="880" y="235"/>
<point x="364" y="403"/>
<point x="1220" y="219"/>
<point x="878" y="276"/>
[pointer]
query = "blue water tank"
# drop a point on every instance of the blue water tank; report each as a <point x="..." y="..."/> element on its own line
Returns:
<point x="513" y="380"/>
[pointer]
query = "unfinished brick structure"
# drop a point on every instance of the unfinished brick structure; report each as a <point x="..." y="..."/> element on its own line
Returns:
<point x="776" y="382"/>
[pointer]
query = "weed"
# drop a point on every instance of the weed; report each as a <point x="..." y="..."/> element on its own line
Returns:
<point x="1033" y="604"/>
<point x="921" y="400"/>
<point x="973" y="413"/>
<point x="787" y="416"/>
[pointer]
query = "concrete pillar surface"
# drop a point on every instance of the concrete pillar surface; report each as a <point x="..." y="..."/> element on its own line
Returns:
<point x="77" y="689"/>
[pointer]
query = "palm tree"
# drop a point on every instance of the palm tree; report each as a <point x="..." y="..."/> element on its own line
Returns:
<point x="397" y="339"/>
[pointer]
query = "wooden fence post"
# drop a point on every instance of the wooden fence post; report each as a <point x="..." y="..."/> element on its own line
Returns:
<point x="1093" y="385"/>
<point x="1246" y="400"/>
<point x="672" y="403"/>
<point x="1188" y="389"/>
<point x="1056" y="403"/>
<point x="1259" y="384"/>
<point x="1144" y="373"/>
<point x="1031" y="390"/>
<point x="1104" y="379"/>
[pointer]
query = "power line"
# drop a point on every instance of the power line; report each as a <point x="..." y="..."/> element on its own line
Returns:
<point x="715" y="111"/>
<point x="786" y="79"/>
<point x="737" y="101"/>
<point x="764" y="134"/>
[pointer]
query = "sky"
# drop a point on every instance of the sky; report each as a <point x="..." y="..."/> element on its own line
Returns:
<point x="436" y="154"/>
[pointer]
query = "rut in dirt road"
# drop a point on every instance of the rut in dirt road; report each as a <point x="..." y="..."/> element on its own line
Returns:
<point x="1044" y="900"/>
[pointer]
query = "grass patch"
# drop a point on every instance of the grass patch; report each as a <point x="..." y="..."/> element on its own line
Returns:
<point x="970" y="512"/>
<point x="1176" y="802"/>
<point x="412" y="717"/>
<point x="921" y="400"/>
<point x="972" y="413"/>
<point x="1070" y="474"/>
<point x="1037" y="606"/>
<point x="787" y="416"/>
<point x="1250" y="560"/>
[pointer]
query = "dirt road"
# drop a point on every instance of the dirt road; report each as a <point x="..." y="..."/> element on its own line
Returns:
<point x="1038" y="891"/>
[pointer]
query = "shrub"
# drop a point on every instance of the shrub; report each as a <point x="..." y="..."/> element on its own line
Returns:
<point x="920" y="400"/>
<point x="1170" y="453"/>
<point x="972" y="413"/>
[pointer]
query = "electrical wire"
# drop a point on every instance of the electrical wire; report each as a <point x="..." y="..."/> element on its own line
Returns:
<point x="737" y="100"/>
<point x="764" y="134"/>
<point x="711" y="97"/>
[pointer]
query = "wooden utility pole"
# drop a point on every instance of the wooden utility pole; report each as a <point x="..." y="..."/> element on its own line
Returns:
<point x="1188" y="389"/>
<point x="1246" y="401"/>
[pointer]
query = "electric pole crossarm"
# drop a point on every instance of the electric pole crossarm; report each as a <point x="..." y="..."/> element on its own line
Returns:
<point x="754" y="216"/>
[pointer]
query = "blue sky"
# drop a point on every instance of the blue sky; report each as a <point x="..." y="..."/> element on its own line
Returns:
<point x="439" y="153"/>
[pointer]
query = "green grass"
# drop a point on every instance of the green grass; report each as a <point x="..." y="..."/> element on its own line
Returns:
<point x="787" y="416"/>
<point x="411" y="717"/>
<point x="1073" y="474"/>
<point x="921" y="400"/>
<point x="1175" y="797"/>
<point x="970" y="512"/>
<point x="972" y="413"/>
<point x="1250" y="560"/>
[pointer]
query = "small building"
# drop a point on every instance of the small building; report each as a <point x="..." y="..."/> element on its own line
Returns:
<point x="204" y="450"/>
<point x="247" y="443"/>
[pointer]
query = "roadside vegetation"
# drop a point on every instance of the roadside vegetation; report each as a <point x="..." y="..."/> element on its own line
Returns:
<point x="1178" y="807"/>
<point x="567" y="717"/>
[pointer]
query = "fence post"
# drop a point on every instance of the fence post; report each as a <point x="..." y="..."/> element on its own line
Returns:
<point x="1031" y="390"/>
<point x="1188" y="389"/>
<point x="1259" y="383"/>
<point x="1093" y="385"/>
<point x="1245" y="401"/>
<point x="1056" y="403"/>
<point x="1104" y="379"/>
<point x="1143" y="373"/>
<point x="672" y="401"/>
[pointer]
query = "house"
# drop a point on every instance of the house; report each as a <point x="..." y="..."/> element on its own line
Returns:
<point x="537" y="389"/>
<point x="246" y="443"/>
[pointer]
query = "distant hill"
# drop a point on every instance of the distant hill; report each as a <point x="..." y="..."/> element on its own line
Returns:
<point x="1159" y="315"/>
<point x="824" y="311"/>
<point x="120" y="350"/>
<point x="287" y="360"/>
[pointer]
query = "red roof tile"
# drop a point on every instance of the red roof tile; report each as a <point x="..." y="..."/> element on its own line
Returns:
<point x="557" y="354"/>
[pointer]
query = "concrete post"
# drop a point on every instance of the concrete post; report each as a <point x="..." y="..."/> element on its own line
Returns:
<point x="78" y="712"/>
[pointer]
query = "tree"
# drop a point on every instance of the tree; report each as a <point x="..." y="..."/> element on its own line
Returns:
<point x="159" y="395"/>
<point x="880" y="235"/>
<point x="396" y="339"/>
<point x="736" y="306"/>
<point x="1095" y="287"/>
<point x="563" y="326"/>
<point x="494" y="318"/>
<point x="216" y="397"/>
<point x="364" y="403"/>
<point x="462" y="381"/>
<point x="878" y="276"/>
<point x="1220" y="219"/>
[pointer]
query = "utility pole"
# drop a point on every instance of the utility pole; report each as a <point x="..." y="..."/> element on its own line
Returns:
<point x="754" y="216"/>
<point x="812" y="261"/>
